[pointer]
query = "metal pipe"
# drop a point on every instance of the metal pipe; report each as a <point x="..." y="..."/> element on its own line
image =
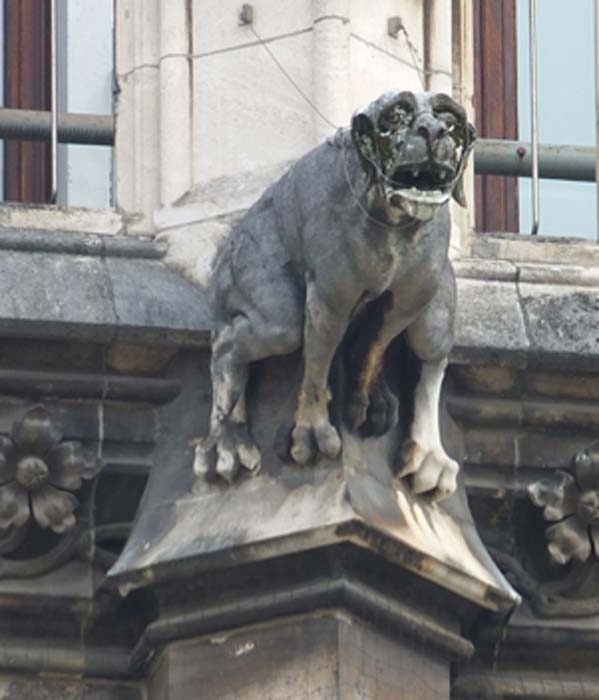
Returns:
<point x="32" y="125"/>
<point x="534" y="127"/>
<point x="556" y="162"/>
<point x="491" y="156"/>
<point x="597" y="114"/>
<point x="53" y="105"/>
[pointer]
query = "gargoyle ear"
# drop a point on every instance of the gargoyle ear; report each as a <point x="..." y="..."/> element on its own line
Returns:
<point x="363" y="135"/>
<point x="458" y="192"/>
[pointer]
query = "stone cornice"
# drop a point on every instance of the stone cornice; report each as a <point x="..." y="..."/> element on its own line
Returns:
<point x="95" y="288"/>
<point x="530" y="312"/>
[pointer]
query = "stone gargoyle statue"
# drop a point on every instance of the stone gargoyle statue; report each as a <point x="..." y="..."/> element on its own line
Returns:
<point x="357" y="231"/>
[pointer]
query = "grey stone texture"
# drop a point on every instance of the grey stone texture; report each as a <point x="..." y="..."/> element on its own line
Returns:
<point x="534" y="313"/>
<point x="108" y="288"/>
<point x="320" y="657"/>
<point x="17" y="688"/>
<point x="95" y="288"/>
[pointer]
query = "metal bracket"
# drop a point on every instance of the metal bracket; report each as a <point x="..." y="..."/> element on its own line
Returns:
<point x="246" y="14"/>
<point x="394" y="26"/>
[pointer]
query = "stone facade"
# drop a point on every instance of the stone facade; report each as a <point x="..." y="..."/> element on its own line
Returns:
<point x="320" y="585"/>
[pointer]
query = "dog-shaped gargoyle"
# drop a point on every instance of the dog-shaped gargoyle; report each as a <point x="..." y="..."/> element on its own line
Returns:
<point x="363" y="218"/>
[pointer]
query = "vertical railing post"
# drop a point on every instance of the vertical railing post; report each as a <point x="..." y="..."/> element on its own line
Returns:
<point x="534" y="124"/>
<point x="596" y="37"/>
<point x="53" y="105"/>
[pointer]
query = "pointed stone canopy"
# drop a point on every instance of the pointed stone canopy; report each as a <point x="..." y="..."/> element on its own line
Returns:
<point x="185" y="527"/>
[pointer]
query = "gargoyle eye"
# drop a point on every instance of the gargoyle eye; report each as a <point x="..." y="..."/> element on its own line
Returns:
<point x="396" y="118"/>
<point x="450" y="119"/>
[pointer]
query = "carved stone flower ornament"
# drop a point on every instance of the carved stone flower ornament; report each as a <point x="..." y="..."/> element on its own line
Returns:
<point x="572" y="499"/>
<point x="39" y="472"/>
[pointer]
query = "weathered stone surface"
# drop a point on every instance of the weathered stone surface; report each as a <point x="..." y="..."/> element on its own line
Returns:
<point x="288" y="508"/>
<point x="95" y="288"/>
<point x="51" y="295"/>
<point x="562" y="324"/>
<point x="46" y="217"/>
<point x="535" y="249"/>
<point x="490" y="326"/>
<point x="481" y="269"/>
<point x="501" y="381"/>
<point x="65" y="689"/>
<point x="324" y="657"/>
<point x="152" y="303"/>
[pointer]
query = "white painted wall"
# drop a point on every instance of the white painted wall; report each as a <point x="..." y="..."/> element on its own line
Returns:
<point x="86" y="56"/>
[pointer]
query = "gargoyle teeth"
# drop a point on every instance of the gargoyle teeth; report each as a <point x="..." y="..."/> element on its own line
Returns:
<point x="415" y="172"/>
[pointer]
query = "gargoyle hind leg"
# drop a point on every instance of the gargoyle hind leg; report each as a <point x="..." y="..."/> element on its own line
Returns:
<point x="423" y="457"/>
<point x="323" y="330"/>
<point x="228" y="440"/>
<point x="247" y="338"/>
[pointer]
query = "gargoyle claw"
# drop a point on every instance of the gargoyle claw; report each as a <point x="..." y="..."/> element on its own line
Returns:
<point x="225" y="454"/>
<point x="307" y="441"/>
<point x="433" y="472"/>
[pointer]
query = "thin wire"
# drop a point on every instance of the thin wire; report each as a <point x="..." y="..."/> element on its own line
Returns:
<point x="330" y="123"/>
<point x="411" y="48"/>
<point x="413" y="53"/>
<point x="290" y="79"/>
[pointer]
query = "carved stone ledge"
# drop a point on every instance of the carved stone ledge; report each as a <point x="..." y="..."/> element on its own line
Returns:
<point x="95" y="288"/>
<point x="528" y="451"/>
<point x="524" y="686"/>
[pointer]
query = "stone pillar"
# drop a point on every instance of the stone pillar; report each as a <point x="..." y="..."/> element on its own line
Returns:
<point x="175" y="100"/>
<point x="137" y="108"/>
<point x="330" y="65"/>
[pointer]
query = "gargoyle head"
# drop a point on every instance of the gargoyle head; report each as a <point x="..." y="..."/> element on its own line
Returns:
<point x="415" y="148"/>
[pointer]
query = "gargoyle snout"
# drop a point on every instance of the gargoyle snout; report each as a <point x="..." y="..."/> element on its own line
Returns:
<point x="430" y="128"/>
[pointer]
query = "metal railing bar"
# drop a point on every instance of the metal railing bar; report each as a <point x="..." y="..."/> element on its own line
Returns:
<point x="514" y="158"/>
<point x="491" y="156"/>
<point x="597" y="114"/>
<point x="53" y="106"/>
<point x="32" y="125"/>
<point x="534" y="122"/>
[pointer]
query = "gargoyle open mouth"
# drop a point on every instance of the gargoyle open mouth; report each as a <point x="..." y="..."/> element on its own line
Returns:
<point x="428" y="181"/>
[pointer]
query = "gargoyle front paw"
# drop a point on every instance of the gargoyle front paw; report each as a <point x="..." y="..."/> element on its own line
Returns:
<point x="307" y="440"/>
<point x="433" y="472"/>
<point x="224" y="452"/>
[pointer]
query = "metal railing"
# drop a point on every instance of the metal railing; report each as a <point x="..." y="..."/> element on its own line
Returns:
<point x="31" y="125"/>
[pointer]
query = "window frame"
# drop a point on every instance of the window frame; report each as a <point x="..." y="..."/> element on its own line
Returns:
<point x="27" y="174"/>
